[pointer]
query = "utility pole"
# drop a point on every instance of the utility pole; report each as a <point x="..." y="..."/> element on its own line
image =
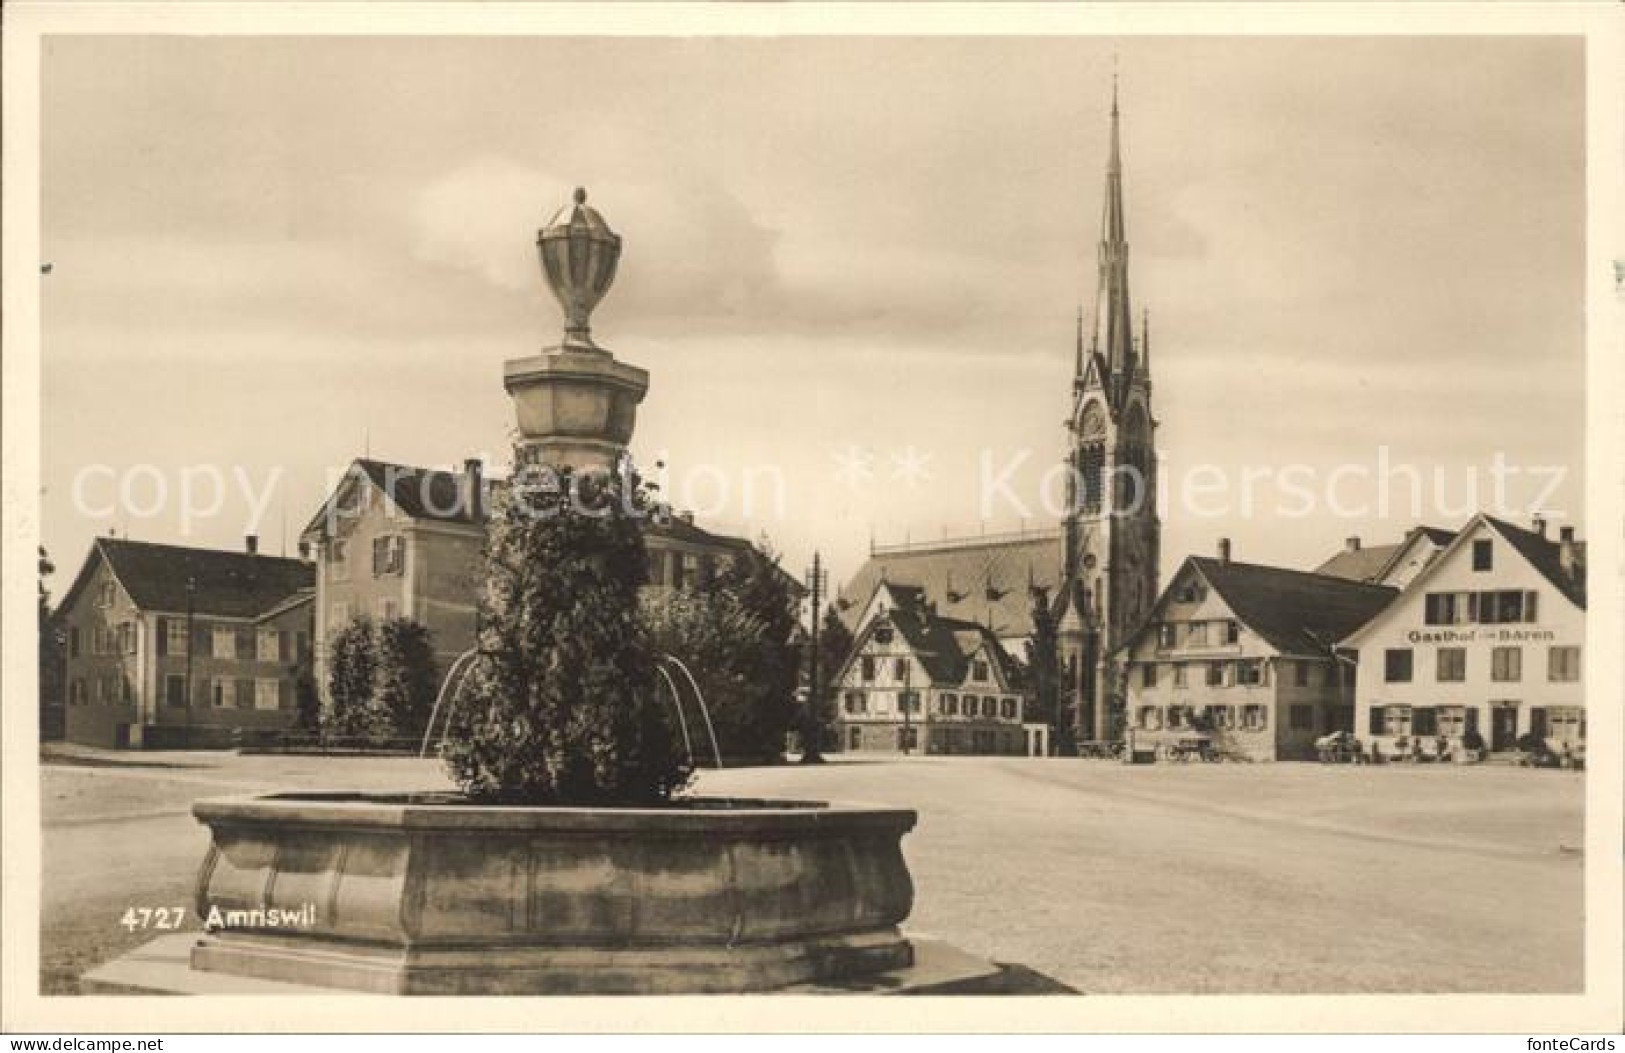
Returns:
<point x="812" y="727"/>
<point x="908" y="702"/>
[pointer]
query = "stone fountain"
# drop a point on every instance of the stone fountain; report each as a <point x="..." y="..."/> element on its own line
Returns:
<point x="437" y="893"/>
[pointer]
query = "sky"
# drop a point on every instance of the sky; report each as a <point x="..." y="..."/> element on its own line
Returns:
<point x="851" y="265"/>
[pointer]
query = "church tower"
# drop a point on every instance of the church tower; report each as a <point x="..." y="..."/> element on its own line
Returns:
<point x="1112" y="530"/>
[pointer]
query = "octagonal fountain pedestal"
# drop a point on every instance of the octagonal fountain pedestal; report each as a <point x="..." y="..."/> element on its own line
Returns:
<point x="433" y="895"/>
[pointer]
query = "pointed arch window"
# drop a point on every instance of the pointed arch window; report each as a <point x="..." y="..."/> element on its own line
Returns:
<point x="1091" y="457"/>
<point x="1134" y="456"/>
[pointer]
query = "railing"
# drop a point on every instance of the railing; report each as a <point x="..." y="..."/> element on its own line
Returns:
<point x="318" y="743"/>
<point x="955" y="543"/>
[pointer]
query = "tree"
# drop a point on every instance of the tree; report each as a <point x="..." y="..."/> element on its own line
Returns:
<point x="562" y="706"/>
<point x="771" y="660"/>
<point x="834" y="645"/>
<point x="352" y="671"/>
<point x="52" y="662"/>
<point x="717" y="640"/>
<point x="1044" y="669"/>
<point x="405" y="678"/>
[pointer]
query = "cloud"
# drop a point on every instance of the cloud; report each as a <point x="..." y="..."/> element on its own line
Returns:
<point x="692" y="250"/>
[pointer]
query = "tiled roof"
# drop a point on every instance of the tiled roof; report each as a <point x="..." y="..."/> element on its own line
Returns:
<point x="1294" y="611"/>
<point x="436" y="495"/>
<point x="232" y="584"/>
<point x="680" y="529"/>
<point x="945" y="645"/>
<point x="979" y="581"/>
<point x="422" y="493"/>
<point x="1438" y="535"/>
<point x="1369" y="564"/>
<point x="1362" y="564"/>
<point x="1545" y="555"/>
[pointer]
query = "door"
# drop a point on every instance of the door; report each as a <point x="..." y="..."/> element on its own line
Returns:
<point x="1503" y="725"/>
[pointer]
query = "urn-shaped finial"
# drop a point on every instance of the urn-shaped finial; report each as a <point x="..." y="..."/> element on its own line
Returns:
<point x="579" y="253"/>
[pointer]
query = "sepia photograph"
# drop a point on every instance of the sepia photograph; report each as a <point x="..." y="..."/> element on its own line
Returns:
<point x="785" y="508"/>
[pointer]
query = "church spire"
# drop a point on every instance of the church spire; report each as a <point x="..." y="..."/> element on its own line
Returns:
<point x="1077" y="365"/>
<point x="1145" y="342"/>
<point x="1114" y="319"/>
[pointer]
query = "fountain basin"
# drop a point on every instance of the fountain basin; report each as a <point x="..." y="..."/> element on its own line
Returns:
<point x="432" y="894"/>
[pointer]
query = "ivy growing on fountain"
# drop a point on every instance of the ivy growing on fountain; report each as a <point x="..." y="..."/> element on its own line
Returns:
<point x="562" y="708"/>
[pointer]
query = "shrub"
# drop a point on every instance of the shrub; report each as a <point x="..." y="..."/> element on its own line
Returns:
<point x="562" y="707"/>
<point x="353" y="710"/>
<point x="405" y="680"/>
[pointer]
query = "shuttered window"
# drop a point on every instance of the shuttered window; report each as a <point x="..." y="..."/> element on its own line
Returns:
<point x="1563" y="664"/>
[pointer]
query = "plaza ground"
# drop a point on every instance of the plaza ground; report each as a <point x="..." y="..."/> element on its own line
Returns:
<point x="1266" y="878"/>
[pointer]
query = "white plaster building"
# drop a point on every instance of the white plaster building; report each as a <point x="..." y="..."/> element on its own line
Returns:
<point x="1486" y="639"/>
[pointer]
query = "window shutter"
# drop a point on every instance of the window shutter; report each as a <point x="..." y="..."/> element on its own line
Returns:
<point x="1537" y="721"/>
<point x="1375" y="725"/>
<point x="282" y="645"/>
<point x="163" y="637"/>
<point x="1529" y="605"/>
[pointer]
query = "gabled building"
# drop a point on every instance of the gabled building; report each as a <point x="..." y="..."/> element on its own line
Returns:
<point x="399" y="541"/>
<point x="985" y="580"/>
<point x="921" y="682"/>
<point x="1394" y="565"/>
<point x="1246" y="653"/>
<point x="1485" y="641"/>
<point x="169" y="646"/>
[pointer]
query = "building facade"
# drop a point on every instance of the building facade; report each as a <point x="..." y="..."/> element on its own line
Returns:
<point x="1244" y="654"/>
<point x="1484" y="643"/>
<point x="171" y="647"/>
<point x="920" y="682"/>
<point x="398" y="541"/>
<point x="1112" y="529"/>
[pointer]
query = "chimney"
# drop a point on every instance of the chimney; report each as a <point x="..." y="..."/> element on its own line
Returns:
<point x="1565" y="551"/>
<point x="1352" y="544"/>
<point x="1224" y="550"/>
<point x="687" y="517"/>
<point x="251" y="544"/>
<point x="1538" y="524"/>
<point x="472" y="488"/>
<point x="304" y="551"/>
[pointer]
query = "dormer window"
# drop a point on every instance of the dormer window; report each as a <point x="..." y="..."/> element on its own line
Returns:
<point x="1483" y="554"/>
<point x="978" y="671"/>
<point x="105" y="594"/>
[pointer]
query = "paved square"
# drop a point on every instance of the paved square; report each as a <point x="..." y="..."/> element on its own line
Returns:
<point x="1268" y="878"/>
